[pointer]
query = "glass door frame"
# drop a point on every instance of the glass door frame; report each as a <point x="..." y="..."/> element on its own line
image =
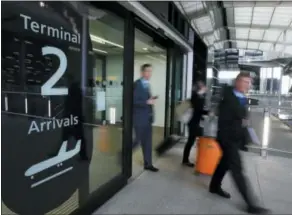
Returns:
<point x="174" y="54"/>
<point x="111" y="187"/>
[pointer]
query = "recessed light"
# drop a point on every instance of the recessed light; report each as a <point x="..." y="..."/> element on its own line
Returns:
<point x="145" y="49"/>
<point x="42" y="4"/>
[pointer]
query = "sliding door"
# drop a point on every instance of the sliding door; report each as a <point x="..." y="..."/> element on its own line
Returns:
<point x="174" y="89"/>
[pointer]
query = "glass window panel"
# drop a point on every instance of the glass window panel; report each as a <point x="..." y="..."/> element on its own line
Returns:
<point x="241" y="44"/>
<point x="269" y="72"/>
<point x="242" y="33"/>
<point x="265" y="46"/>
<point x="262" y="15"/>
<point x="272" y="35"/>
<point x="106" y="51"/>
<point x="277" y="72"/>
<point x="243" y="15"/>
<point x="288" y="49"/>
<point x="282" y="16"/>
<point x="253" y="45"/>
<point x="285" y="84"/>
<point x="256" y="34"/>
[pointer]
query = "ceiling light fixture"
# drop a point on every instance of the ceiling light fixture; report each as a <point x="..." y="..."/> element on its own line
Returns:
<point x="104" y="41"/>
<point x="96" y="39"/>
<point x="42" y="4"/>
<point x="145" y="49"/>
<point x="99" y="50"/>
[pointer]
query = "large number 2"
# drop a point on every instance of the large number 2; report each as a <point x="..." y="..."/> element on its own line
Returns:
<point x="47" y="88"/>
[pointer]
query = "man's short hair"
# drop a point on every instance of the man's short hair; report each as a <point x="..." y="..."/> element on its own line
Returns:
<point x="243" y="75"/>
<point x="145" y="66"/>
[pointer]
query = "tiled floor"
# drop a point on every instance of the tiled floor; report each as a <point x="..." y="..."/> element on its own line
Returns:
<point x="176" y="190"/>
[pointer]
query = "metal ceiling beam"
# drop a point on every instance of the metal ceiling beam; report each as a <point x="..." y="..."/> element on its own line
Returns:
<point x="260" y="27"/>
<point x="204" y="11"/>
<point x="253" y="40"/>
<point x="211" y="6"/>
<point x="225" y="24"/>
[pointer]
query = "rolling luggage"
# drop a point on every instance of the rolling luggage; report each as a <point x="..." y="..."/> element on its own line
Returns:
<point x="208" y="151"/>
<point x="208" y="155"/>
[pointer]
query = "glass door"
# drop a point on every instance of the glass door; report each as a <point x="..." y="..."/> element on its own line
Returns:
<point x="177" y="81"/>
<point x="99" y="78"/>
<point x="174" y="90"/>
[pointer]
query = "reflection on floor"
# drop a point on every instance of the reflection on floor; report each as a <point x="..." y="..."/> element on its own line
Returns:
<point x="105" y="163"/>
<point x="280" y="135"/>
<point x="176" y="190"/>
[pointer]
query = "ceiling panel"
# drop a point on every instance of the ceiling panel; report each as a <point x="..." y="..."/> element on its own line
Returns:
<point x="211" y="39"/>
<point x="243" y="3"/>
<point x="252" y="45"/>
<point x="272" y="34"/>
<point x="265" y="46"/>
<point x="288" y="49"/>
<point x="242" y="15"/>
<point x="279" y="48"/>
<point x="193" y="6"/>
<point x="206" y="40"/>
<point x="256" y="34"/>
<point x="241" y="44"/>
<point x="217" y="35"/>
<point x="262" y="15"/>
<point x="242" y="33"/>
<point x="218" y="45"/>
<point x="289" y="36"/>
<point x="282" y="16"/>
<point x="204" y="24"/>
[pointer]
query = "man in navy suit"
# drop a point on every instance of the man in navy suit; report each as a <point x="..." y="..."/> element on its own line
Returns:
<point x="143" y="116"/>
<point x="233" y="118"/>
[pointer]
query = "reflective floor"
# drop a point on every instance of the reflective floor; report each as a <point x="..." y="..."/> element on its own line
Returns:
<point x="176" y="190"/>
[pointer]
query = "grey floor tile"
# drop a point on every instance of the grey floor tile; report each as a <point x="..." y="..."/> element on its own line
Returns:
<point x="176" y="190"/>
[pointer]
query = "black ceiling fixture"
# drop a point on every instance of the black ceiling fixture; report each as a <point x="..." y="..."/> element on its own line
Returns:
<point x="225" y="24"/>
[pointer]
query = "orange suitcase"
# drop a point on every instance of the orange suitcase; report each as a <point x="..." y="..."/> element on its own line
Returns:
<point x="208" y="155"/>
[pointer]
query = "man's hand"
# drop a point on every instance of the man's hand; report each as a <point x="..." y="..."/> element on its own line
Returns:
<point x="150" y="102"/>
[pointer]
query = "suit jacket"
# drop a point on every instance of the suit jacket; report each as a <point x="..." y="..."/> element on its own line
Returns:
<point x="231" y="114"/>
<point x="197" y="102"/>
<point x="142" y="112"/>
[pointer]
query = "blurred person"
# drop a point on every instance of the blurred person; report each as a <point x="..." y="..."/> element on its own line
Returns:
<point x="143" y="115"/>
<point x="197" y="103"/>
<point x="231" y="130"/>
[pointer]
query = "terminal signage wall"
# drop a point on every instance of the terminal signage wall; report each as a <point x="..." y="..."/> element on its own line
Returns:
<point x="43" y="133"/>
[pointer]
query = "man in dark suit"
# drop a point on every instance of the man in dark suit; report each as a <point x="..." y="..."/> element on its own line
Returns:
<point x="143" y="116"/>
<point x="231" y="130"/>
<point x="197" y="102"/>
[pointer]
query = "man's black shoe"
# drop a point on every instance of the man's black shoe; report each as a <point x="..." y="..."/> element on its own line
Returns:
<point x="257" y="210"/>
<point x="188" y="164"/>
<point x="220" y="192"/>
<point x="151" y="168"/>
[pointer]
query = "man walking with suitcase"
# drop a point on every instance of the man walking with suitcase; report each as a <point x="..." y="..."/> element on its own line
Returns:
<point x="231" y="131"/>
